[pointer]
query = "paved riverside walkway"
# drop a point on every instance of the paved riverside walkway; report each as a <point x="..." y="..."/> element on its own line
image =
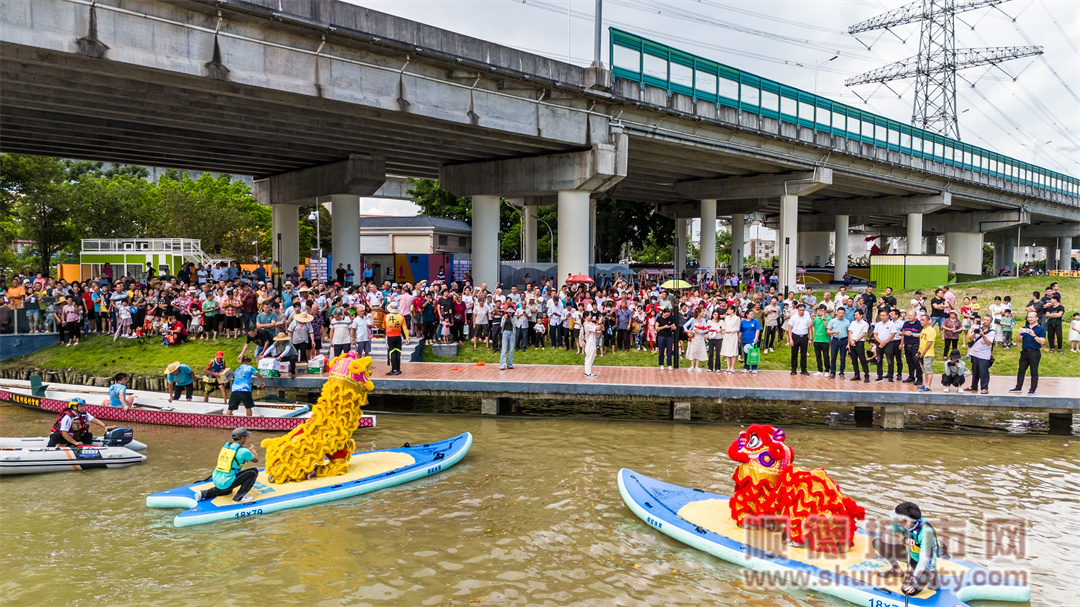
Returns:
<point x="684" y="388"/>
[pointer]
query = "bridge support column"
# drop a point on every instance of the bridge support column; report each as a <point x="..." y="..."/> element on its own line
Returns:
<point x="485" y="239"/>
<point x="592" y="233"/>
<point x="680" y="247"/>
<point x="573" y="233"/>
<point x="708" y="235"/>
<point x="914" y="234"/>
<point x="813" y="249"/>
<point x="1061" y="424"/>
<point x="892" y="417"/>
<point x="489" y="405"/>
<point x="965" y="251"/>
<point x="789" y="241"/>
<point x="1052" y="257"/>
<point x="1008" y="255"/>
<point x="286" y="236"/>
<point x="680" y="411"/>
<point x="345" y="210"/>
<point x="1065" y="246"/>
<point x="738" y="242"/>
<point x="529" y="226"/>
<point x="840" y="263"/>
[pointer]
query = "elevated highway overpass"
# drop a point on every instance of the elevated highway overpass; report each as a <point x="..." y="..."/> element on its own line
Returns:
<point x="325" y="99"/>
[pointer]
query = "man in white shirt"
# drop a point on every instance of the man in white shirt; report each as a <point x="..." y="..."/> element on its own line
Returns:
<point x="799" y="337"/>
<point x="884" y="344"/>
<point x="857" y="331"/>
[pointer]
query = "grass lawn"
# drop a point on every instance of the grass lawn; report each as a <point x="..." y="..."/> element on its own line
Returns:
<point x="1018" y="288"/>
<point x="100" y="355"/>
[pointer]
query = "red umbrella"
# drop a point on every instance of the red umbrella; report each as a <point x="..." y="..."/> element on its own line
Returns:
<point x="576" y="278"/>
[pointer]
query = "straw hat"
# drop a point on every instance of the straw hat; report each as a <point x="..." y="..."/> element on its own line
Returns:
<point x="173" y="366"/>
<point x="61" y="300"/>
<point x="303" y="317"/>
<point x="303" y="290"/>
<point x="281" y="337"/>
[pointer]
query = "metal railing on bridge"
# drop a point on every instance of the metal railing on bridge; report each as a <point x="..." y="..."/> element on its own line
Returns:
<point x="642" y="60"/>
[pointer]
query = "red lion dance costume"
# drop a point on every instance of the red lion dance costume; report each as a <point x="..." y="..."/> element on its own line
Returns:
<point x="768" y="487"/>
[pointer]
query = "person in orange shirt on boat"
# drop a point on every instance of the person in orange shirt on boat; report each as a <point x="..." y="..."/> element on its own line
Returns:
<point x="394" y="326"/>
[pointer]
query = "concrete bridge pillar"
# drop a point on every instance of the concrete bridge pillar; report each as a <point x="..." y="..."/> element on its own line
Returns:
<point x="1052" y="258"/>
<point x="738" y="242"/>
<point x="965" y="251"/>
<point x="286" y="236"/>
<point x="680" y="247"/>
<point x="914" y="234"/>
<point x="574" y="227"/>
<point x="345" y="210"/>
<point x="708" y="235"/>
<point x="592" y="233"/>
<point x="1008" y="253"/>
<point x="344" y="181"/>
<point x="789" y="241"/>
<point x="528" y="225"/>
<point x="813" y="249"/>
<point x="1065" y="246"/>
<point x="570" y="178"/>
<point x="840" y="264"/>
<point x="485" y="239"/>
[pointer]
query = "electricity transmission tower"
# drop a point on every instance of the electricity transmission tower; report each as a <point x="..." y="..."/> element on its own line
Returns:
<point x="934" y="68"/>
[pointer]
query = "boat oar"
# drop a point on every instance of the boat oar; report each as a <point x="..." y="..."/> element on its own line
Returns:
<point x="155" y="407"/>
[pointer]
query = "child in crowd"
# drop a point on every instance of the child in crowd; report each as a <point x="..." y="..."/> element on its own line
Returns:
<point x="1007" y="324"/>
<point x="965" y="314"/>
<point x="124" y="326"/>
<point x="195" y="325"/>
<point x="1074" y="334"/>
<point x="541" y="329"/>
<point x="444" y="331"/>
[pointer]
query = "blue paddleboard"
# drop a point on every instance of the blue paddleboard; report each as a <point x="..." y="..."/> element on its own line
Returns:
<point x="703" y="520"/>
<point x="368" y="471"/>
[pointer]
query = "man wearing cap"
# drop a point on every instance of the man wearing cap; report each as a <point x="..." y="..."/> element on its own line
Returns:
<point x="241" y="387"/>
<point x="72" y="427"/>
<point x="229" y="474"/>
<point x="180" y="379"/>
<point x="394" y="328"/>
<point x="212" y="375"/>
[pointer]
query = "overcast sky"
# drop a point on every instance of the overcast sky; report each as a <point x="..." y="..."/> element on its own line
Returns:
<point x="1027" y="108"/>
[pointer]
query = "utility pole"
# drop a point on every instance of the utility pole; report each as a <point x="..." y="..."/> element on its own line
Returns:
<point x="935" y="67"/>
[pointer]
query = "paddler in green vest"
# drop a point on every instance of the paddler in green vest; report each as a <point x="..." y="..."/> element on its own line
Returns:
<point x="229" y="473"/>
<point x="919" y="545"/>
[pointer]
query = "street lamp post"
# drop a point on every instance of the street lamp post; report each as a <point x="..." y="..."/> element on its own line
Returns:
<point x="256" y="243"/>
<point x="817" y="66"/>
<point x="551" y="240"/>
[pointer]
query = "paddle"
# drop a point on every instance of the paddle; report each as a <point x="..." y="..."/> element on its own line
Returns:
<point x="155" y="407"/>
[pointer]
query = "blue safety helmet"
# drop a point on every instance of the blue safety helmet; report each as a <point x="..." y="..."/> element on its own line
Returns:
<point x="76" y="402"/>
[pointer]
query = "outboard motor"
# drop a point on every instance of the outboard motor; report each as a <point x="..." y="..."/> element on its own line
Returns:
<point x="117" y="437"/>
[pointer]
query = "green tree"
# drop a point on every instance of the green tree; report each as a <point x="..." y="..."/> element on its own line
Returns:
<point x="437" y="202"/>
<point x="117" y="206"/>
<point x="988" y="259"/>
<point x="32" y="190"/>
<point x="620" y="223"/>
<point x="654" y="251"/>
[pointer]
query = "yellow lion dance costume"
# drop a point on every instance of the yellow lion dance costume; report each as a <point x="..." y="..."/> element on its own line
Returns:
<point x="323" y="445"/>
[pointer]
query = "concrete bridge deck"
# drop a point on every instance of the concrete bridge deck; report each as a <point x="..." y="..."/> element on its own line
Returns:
<point x="684" y="389"/>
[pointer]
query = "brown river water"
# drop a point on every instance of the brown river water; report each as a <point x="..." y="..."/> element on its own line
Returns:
<point x="532" y="516"/>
